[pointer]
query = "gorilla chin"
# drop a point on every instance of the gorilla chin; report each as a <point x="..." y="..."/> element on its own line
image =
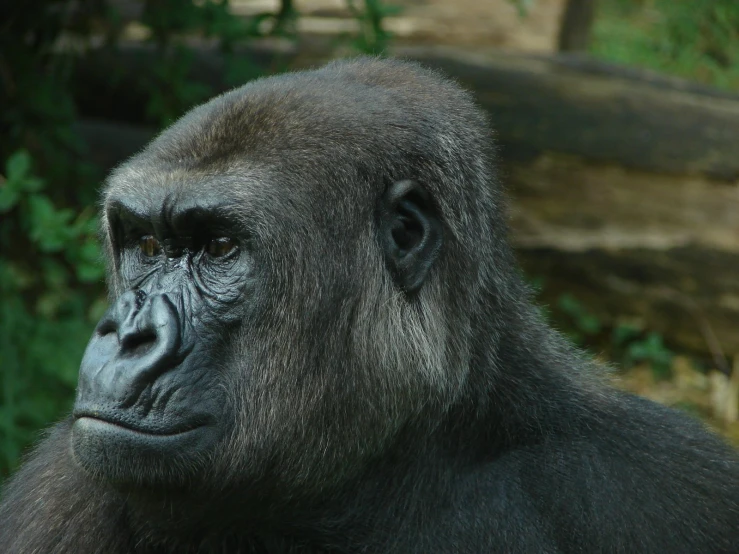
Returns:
<point x="125" y="456"/>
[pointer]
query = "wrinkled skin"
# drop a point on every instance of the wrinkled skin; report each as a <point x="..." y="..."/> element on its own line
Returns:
<point x="150" y="394"/>
<point x="318" y="341"/>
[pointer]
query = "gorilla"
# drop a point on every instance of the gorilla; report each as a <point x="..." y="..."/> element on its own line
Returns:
<point x="319" y="341"/>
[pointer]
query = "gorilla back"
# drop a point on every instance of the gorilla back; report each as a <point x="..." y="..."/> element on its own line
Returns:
<point x="319" y="341"/>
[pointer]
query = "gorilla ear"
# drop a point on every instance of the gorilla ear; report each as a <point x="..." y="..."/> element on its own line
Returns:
<point x="410" y="233"/>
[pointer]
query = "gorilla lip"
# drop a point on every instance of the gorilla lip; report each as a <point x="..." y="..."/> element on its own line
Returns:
<point x="179" y="430"/>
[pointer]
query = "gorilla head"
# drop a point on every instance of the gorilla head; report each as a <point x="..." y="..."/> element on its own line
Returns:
<point x="299" y="270"/>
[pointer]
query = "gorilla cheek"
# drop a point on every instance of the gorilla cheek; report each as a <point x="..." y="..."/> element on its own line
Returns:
<point x="147" y="409"/>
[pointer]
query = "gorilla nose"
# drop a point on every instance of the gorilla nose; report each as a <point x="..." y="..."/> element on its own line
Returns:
<point x="137" y="340"/>
<point x="137" y="321"/>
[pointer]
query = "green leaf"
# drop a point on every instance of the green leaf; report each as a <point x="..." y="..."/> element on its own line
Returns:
<point x="50" y="228"/>
<point x="624" y="333"/>
<point x="89" y="272"/>
<point x="33" y="184"/>
<point x="8" y="197"/>
<point x="18" y="180"/>
<point x="18" y="165"/>
<point x="55" y="274"/>
<point x="569" y="305"/>
<point x="589" y="324"/>
<point x="47" y="305"/>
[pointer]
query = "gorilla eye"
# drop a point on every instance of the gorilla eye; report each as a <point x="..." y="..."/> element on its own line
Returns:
<point x="149" y="246"/>
<point x="220" y="247"/>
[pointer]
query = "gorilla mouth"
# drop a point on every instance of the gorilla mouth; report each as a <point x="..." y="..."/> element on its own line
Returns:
<point x="109" y="445"/>
<point x="149" y="432"/>
<point x="96" y="417"/>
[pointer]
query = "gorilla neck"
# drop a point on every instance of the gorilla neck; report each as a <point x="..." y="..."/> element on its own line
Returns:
<point x="412" y="480"/>
<point x="370" y="509"/>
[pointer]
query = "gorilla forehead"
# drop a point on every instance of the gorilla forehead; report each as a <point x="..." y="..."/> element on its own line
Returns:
<point x="365" y="115"/>
<point x="359" y="109"/>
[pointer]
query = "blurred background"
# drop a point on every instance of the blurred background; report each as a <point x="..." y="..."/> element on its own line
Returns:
<point x="617" y="123"/>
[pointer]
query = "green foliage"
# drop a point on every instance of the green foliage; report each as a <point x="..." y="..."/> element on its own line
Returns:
<point x="581" y="323"/>
<point x="17" y="181"/>
<point x="50" y="271"/>
<point x="48" y="256"/>
<point x="170" y="90"/>
<point x="372" y="38"/>
<point x="168" y="82"/>
<point x="632" y="346"/>
<point x="628" y="345"/>
<point x="698" y="39"/>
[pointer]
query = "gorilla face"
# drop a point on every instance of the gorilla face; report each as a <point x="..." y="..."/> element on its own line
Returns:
<point x="279" y="267"/>
<point x="150" y="391"/>
<point x="189" y="347"/>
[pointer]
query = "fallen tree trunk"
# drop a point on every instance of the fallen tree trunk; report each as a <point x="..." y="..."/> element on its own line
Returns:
<point x="629" y="244"/>
<point x="633" y="119"/>
<point x="565" y="103"/>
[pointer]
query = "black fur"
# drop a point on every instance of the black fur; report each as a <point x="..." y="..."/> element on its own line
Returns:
<point x="364" y="373"/>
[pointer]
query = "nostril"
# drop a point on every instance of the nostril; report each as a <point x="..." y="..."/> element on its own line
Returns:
<point x="135" y="342"/>
<point x="106" y="327"/>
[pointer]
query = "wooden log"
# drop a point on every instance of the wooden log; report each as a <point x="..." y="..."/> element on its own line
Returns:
<point x="567" y="104"/>
<point x="633" y="119"/>
<point x="628" y="243"/>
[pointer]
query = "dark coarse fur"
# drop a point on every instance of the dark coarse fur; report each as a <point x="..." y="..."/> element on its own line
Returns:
<point x="360" y="417"/>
